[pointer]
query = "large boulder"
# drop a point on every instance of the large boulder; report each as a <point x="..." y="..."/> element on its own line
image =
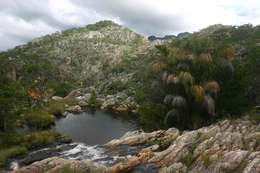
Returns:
<point x="74" y="109"/>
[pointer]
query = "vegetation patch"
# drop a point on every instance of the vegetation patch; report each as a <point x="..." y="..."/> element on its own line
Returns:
<point x="41" y="138"/>
<point x="39" y="119"/>
<point x="5" y="154"/>
<point x="56" y="108"/>
<point x="206" y="160"/>
<point x="151" y="115"/>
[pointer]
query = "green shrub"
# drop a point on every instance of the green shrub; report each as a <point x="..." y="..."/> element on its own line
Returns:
<point x="254" y="115"/>
<point x="61" y="88"/>
<point x="10" y="139"/>
<point x="39" y="119"/>
<point x="6" y="154"/>
<point x="140" y="95"/>
<point x="93" y="99"/>
<point x="99" y="25"/>
<point x="41" y="138"/>
<point x="188" y="159"/>
<point x="56" y="108"/>
<point x="151" y="115"/>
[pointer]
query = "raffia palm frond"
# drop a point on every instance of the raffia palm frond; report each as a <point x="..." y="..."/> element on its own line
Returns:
<point x="184" y="56"/>
<point x="178" y="54"/>
<point x="212" y="87"/>
<point x="186" y="79"/>
<point x="183" y="66"/>
<point x="179" y="102"/>
<point x="227" y="65"/>
<point x="172" y="118"/>
<point x="168" y="99"/>
<point x="205" y="58"/>
<point x="209" y="105"/>
<point x="175" y="52"/>
<point x="190" y="57"/>
<point x="158" y="67"/>
<point x="172" y="79"/>
<point x="229" y="53"/>
<point x="198" y="93"/>
<point x="164" y="77"/>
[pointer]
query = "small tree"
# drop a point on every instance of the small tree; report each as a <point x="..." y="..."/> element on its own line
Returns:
<point x="93" y="99"/>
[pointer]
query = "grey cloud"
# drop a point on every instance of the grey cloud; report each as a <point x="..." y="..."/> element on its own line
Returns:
<point x="7" y="42"/>
<point x="23" y="20"/>
<point x="31" y="11"/>
<point x="143" y="19"/>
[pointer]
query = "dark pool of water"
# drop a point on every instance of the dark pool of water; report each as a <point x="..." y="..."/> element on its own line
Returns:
<point x="94" y="128"/>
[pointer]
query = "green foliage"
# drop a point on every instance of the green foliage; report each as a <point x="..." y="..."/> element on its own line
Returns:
<point x="13" y="98"/>
<point x="14" y="144"/>
<point x="56" y="108"/>
<point x="93" y="99"/>
<point x="39" y="119"/>
<point x="215" y="70"/>
<point x="186" y="79"/>
<point x="163" y="50"/>
<point x="254" y="114"/>
<point x="5" y="154"/>
<point x="10" y="139"/>
<point x="140" y="95"/>
<point x="36" y="139"/>
<point x="115" y="86"/>
<point x="151" y="115"/>
<point x="187" y="159"/>
<point x="99" y="25"/>
<point x="60" y="88"/>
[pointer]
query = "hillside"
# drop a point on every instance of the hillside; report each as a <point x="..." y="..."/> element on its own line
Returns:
<point x="84" y="55"/>
<point x="110" y="61"/>
<point x="186" y="82"/>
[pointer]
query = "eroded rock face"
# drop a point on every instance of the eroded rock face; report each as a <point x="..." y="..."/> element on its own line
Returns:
<point x="228" y="146"/>
<point x="56" y="165"/>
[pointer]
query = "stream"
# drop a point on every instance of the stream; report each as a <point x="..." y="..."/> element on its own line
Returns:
<point x="88" y="131"/>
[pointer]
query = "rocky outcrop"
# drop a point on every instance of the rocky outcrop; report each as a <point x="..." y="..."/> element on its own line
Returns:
<point x="58" y="165"/>
<point x="228" y="146"/>
<point x="119" y="102"/>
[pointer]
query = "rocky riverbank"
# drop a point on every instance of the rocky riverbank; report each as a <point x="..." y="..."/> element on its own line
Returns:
<point x="227" y="146"/>
<point x="80" y="98"/>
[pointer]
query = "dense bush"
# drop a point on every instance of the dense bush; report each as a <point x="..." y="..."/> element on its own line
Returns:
<point x="56" y="108"/>
<point x="151" y="115"/>
<point x="10" y="139"/>
<point x="14" y="144"/>
<point x="37" y="139"/>
<point x="5" y="154"/>
<point x="38" y="119"/>
<point x="93" y="99"/>
<point x="13" y="99"/>
<point x="205" y="76"/>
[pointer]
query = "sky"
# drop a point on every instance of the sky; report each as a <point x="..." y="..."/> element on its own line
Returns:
<point x="23" y="20"/>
